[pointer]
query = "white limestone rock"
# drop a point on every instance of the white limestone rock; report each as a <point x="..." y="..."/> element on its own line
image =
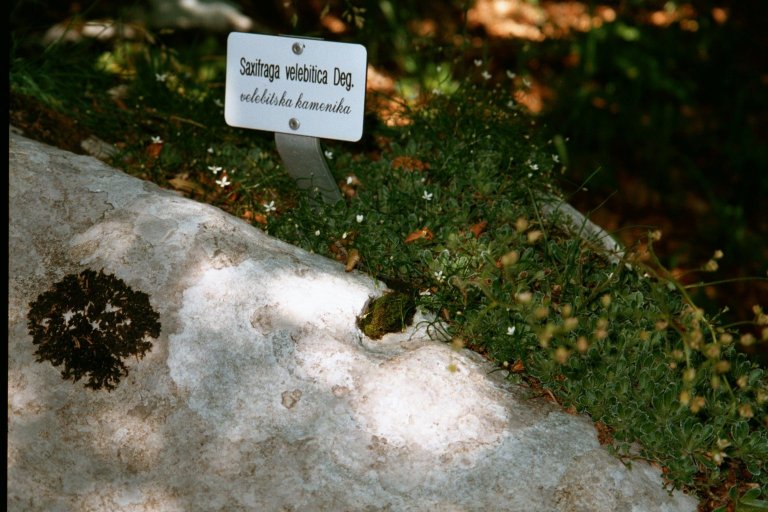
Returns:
<point x="260" y="392"/>
<point x="212" y="15"/>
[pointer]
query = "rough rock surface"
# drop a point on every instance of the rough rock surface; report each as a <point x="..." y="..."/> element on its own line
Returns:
<point x="260" y="392"/>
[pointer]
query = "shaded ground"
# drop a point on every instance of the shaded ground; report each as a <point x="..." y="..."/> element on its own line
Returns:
<point x="45" y="124"/>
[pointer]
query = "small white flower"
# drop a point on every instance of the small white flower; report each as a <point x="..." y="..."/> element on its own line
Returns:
<point x="210" y="150"/>
<point x="426" y="292"/>
<point x="329" y="154"/>
<point x="156" y="139"/>
<point x="214" y="169"/>
<point x="511" y="75"/>
<point x="530" y="175"/>
<point x="556" y="159"/>
<point x="478" y="62"/>
<point x="218" y="102"/>
<point x="350" y="179"/>
<point x="223" y="182"/>
<point x="486" y="75"/>
<point x="359" y="218"/>
<point x="510" y="103"/>
<point x="161" y="77"/>
<point x="427" y="196"/>
<point x="439" y="276"/>
<point x="511" y="330"/>
<point x="317" y="232"/>
<point x="526" y="82"/>
<point x="533" y="166"/>
<point x="344" y="236"/>
<point x="269" y="207"/>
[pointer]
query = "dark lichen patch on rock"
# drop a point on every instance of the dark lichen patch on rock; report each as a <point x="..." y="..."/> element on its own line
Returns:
<point x="392" y="312"/>
<point x="89" y="323"/>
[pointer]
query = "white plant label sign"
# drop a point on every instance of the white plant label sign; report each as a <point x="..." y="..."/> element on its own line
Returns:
<point x="295" y="85"/>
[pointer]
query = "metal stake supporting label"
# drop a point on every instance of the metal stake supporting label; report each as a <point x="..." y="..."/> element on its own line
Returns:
<point x="303" y="159"/>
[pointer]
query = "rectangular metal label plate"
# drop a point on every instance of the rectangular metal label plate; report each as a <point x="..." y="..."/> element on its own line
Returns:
<point x="295" y="85"/>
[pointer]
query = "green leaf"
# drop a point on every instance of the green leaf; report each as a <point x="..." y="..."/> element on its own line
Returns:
<point x="751" y="506"/>
<point x="749" y="502"/>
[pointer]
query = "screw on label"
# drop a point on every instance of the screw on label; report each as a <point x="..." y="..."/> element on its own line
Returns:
<point x="293" y="123"/>
<point x="297" y="48"/>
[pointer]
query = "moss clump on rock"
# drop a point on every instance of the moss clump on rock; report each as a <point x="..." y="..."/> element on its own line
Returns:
<point x="392" y="312"/>
<point x="89" y="323"/>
